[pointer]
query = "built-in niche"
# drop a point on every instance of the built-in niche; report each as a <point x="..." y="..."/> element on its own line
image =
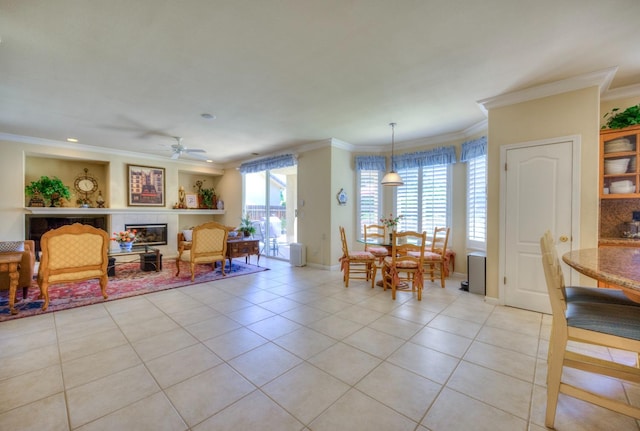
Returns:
<point x="68" y="170"/>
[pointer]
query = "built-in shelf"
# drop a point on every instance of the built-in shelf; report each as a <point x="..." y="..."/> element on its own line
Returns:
<point x="101" y="211"/>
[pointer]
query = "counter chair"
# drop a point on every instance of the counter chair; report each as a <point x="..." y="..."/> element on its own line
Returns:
<point x="359" y="265"/>
<point x="407" y="257"/>
<point x="378" y="233"/>
<point x="593" y="323"/>
<point x="73" y="253"/>
<point x="587" y="294"/>
<point x="208" y="246"/>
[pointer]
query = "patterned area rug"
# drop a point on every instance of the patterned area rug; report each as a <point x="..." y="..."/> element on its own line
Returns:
<point x="128" y="281"/>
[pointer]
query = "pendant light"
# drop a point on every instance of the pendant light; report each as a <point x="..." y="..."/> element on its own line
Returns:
<point x="392" y="178"/>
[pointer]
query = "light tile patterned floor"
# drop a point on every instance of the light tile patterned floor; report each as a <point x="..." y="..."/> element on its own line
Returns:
<point x="288" y="349"/>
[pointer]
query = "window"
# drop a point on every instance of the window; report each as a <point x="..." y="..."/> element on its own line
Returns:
<point x="369" y="198"/>
<point x="474" y="153"/>
<point x="477" y="202"/>
<point x="423" y="200"/>
<point x="369" y="169"/>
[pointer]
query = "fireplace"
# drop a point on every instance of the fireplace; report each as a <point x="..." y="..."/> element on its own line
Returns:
<point x="149" y="234"/>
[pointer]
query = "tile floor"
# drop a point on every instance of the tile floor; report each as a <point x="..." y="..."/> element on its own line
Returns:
<point x="288" y="349"/>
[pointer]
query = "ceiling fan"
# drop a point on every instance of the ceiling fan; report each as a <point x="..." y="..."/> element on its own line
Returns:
<point x="179" y="149"/>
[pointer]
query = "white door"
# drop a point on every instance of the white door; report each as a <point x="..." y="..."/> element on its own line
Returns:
<point x="538" y="194"/>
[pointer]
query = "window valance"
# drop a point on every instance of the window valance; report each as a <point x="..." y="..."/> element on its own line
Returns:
<point x="436" y="156"/>
<point x="268" y="163"/>
<point x="371" y="163"/>
<point x="472" y="149"/>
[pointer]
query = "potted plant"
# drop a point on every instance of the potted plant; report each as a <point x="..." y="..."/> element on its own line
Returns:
<point x="209" y="197"/>
<point x="51" y="189"/>
<point x="246" y="226"/>
<point x="628" y="117"/>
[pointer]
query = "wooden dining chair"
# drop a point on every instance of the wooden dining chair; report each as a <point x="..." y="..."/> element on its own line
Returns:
<point x="359" y="265"/>
<point x="598" y="324"/>
<point x="435" y="260"/>
<point x="376" y="233"/>
<point x="406" y="262"/>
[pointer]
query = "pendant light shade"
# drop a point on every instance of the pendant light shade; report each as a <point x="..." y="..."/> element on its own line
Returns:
<point x="392" y="178"/>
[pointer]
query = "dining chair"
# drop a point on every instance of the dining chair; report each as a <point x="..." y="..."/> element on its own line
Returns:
<point x="73" y="253"/>
<point x="360" y="265"/>
<point x="587" y="294"/>
<point x="435" y="260"/>
<point x="599" y="324"/>
<point x="208" y="246"/>
<point x="376" y="233"/>
<point x="407" y="257"/>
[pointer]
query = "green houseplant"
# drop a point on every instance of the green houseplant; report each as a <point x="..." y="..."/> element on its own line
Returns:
<point x="628" y="117"/>
<point x="246" y="227"/>
<point x="208" y="197"/>
<point x="52" y="189"/>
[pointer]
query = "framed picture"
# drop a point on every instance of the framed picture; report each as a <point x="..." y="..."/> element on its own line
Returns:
<point x="146" y="186"/>
<point x="191" y="200"/>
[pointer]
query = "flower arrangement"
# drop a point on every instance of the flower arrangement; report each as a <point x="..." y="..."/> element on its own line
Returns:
<point x="124" y="236"/>
<point x="391" y="222"/>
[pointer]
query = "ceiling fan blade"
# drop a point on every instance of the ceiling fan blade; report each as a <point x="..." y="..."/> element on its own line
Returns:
<point x="195" y="150"/>
<point x="175" y="155"/>
<point x="198" y="156"/>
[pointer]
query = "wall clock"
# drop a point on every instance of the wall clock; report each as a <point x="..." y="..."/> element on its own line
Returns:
<point x="86" y="185"/>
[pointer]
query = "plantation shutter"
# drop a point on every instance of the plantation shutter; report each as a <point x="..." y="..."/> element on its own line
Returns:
<point x="477" y="201"/>
<point x="369" y="169"/>
<point x="408" y="200"/>
<point x="434" y="197"/>
<point x="369" y="198"/>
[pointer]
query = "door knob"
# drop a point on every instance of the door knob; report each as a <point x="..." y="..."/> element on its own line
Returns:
<point x="564" y="238"/>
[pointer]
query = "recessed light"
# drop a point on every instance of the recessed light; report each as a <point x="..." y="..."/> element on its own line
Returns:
<point x="209" y="161"/>
<point x="207" y="116"/>
<point x="74" y="140"/>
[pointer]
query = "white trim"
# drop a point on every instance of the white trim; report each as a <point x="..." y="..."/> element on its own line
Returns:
<point x="129" y="210"/>
<point x="600" y="78"/>
<point x="576" y="143"/>
<point x="621" y="93"/>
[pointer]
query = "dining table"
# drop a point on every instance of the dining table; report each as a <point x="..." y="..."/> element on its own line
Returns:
<point x="612" y="266"/>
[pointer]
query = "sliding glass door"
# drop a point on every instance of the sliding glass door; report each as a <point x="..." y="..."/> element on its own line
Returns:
<point x="269" y="201"/>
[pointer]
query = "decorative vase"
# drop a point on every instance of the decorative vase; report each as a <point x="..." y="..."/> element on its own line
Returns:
<point x="126" y="246"/>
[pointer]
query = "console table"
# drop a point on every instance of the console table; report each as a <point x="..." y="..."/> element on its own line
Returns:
<point x="239" y="247"/>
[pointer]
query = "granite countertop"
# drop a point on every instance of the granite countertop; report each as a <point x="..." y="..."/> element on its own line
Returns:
<point x="614" y="265"/>
<point x="620" y="242"/>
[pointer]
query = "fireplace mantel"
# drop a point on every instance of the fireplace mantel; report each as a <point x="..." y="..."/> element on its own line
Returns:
<point x="108" y="211"/>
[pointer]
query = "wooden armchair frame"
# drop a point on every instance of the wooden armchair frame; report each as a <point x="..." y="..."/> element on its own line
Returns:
<point x="73" y="253"/>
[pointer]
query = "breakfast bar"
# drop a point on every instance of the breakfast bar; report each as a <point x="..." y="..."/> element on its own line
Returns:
<point x="612" y="266"/>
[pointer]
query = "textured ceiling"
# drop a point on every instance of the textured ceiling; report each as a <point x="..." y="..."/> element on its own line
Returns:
<point x="277" y="74"/>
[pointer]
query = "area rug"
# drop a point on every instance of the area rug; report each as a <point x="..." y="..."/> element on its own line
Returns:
<point x="128" y="281"/>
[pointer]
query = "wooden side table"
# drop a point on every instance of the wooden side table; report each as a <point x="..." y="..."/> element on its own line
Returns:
<point x="10" y="262"/>
<point x="243" y="248"/>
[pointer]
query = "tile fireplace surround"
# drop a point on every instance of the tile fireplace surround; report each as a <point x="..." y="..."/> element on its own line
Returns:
<point x="117" y="218"/>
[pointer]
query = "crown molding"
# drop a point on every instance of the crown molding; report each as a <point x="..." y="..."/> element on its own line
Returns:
<point x="30" y="140"/>
<point x="601" y="78"/>
<point x="621" y="92"/>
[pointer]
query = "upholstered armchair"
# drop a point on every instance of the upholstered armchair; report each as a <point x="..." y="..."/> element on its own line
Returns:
<point x="73" y="253"/>
<point x="26" y="269"/>
<point x="208" y="245"/>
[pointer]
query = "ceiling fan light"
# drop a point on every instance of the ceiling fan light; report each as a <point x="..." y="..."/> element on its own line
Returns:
<point x="392" y="179"/>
